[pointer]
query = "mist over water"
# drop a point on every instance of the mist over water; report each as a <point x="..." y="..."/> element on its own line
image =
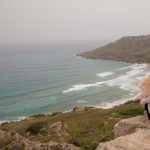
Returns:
<point x="49" y="78"/>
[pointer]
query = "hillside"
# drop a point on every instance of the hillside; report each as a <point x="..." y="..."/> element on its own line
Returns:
<point x="132" y="49"/>
<point x="84" y="128"/>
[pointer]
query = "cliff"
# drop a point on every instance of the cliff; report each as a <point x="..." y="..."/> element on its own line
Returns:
<point x="132" y="49"/>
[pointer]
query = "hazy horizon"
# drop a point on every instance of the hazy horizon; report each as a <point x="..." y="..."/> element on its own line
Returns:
<point x="51" y="21"/>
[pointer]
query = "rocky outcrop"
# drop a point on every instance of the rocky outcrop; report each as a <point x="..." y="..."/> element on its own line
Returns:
<point x="12" y="134"/>
<point x="132" y="134"/>
<point x="25" y="144"/>
<point x="59" y="129"/>
<point x="140" y="140"/>
<point x="22" y="143"/>
<point x="127" y="126"/>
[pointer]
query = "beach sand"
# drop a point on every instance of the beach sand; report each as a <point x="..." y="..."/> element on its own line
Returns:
<point x="145" y="88"/>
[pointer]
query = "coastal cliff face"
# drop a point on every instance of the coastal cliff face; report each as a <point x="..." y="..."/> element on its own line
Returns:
<point x="132" y="49"/>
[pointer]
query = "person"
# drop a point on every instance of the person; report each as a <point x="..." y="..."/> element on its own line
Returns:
<point x="146" y="102"/>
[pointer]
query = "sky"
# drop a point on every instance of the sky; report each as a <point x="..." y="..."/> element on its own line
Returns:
<point x="46" y="21"/>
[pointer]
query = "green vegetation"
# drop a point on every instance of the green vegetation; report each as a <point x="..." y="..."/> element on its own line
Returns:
<point x="87" y="127"/>
<point x="36" y="127"/>
<point x="134" y="49"/>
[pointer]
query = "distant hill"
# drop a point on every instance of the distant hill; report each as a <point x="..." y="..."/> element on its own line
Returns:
<point x="133" y="49"/>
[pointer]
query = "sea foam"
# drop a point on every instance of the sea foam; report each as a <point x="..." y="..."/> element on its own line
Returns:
<point x="127" y="81"/>
<point x="107" y="105"/>
<point x="105" y="74"/>
<point x="82" y="101"/>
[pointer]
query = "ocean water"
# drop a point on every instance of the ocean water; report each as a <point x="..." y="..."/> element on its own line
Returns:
<point x="50" y="78"/>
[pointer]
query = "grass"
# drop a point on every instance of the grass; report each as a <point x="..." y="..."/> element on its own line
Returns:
<point x="87" y="128"/>
<point x="4" y="142"/>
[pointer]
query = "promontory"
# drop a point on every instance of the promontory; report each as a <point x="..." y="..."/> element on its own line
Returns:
<point x="132" y="49"/>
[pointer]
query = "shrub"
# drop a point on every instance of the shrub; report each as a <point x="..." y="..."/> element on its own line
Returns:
<point x="131" y="111"/>
<point x="36" y="127"/>
<point x="74" y="141"/>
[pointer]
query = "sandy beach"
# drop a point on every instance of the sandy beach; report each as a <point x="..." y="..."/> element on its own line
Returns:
<point x="145" y="88"/>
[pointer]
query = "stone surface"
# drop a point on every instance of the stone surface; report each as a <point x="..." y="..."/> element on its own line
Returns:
<point x="140" y="140"/>
<point x="132" y="134"/>
<point x="12" y="134"/>
<point x="59" y="129"/>
<point x="23" y="143"/>
<point x="127" y="126"/>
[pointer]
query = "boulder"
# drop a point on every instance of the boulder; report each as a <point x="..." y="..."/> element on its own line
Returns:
<point x="59" y="129"/>
<point x="127" y="126"/>
<point x="140" y="140"/>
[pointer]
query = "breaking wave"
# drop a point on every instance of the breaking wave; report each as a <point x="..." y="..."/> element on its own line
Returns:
<point x="82" y="101"/>
<point x="105" y="74"/>
<point x="128" y="81"/>
<point x="106" y="105"/>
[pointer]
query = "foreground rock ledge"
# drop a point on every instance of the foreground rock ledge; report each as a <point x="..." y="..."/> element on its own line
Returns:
<point x="134" y="135"/>
<point x="140" y="140"/>
<point x="128" y="126"/>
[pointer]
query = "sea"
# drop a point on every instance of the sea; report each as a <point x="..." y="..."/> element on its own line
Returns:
<point x="47" y="78"/>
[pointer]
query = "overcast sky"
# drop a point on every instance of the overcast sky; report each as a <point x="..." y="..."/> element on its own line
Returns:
<point x="32" y="21"/>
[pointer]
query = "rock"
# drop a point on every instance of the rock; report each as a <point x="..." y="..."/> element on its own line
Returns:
<point x="44" y="131"/>
<point x="127" y="126"/>
<point x="140" y="140"/>
<point x="23" y="143"/>
<point x="59" y="129"/>
<point x="29" y="145"/>
<point x="12" y="134"/>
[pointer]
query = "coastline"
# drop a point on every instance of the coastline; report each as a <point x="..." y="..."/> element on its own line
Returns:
<point x="144" y="90"/>
<point x="144" y="86"/>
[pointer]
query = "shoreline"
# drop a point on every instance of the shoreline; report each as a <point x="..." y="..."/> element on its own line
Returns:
<point x="144" y="90"/>
<point x="144" y="86"/>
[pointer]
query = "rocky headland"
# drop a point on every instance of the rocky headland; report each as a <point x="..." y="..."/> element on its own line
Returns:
<point x="132" y="49"/>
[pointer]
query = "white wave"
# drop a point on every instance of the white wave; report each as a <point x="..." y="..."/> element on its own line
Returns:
<point x="128" y="67"/>
<point x="4" y="121"/>
<point x="13" y="119"/>
<point x="82" y="101"/>
<point x="106" y="105"/>
<point x="105" y="74"/>
<point x="82" y="87"/>
<point x="128" y="81"/>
